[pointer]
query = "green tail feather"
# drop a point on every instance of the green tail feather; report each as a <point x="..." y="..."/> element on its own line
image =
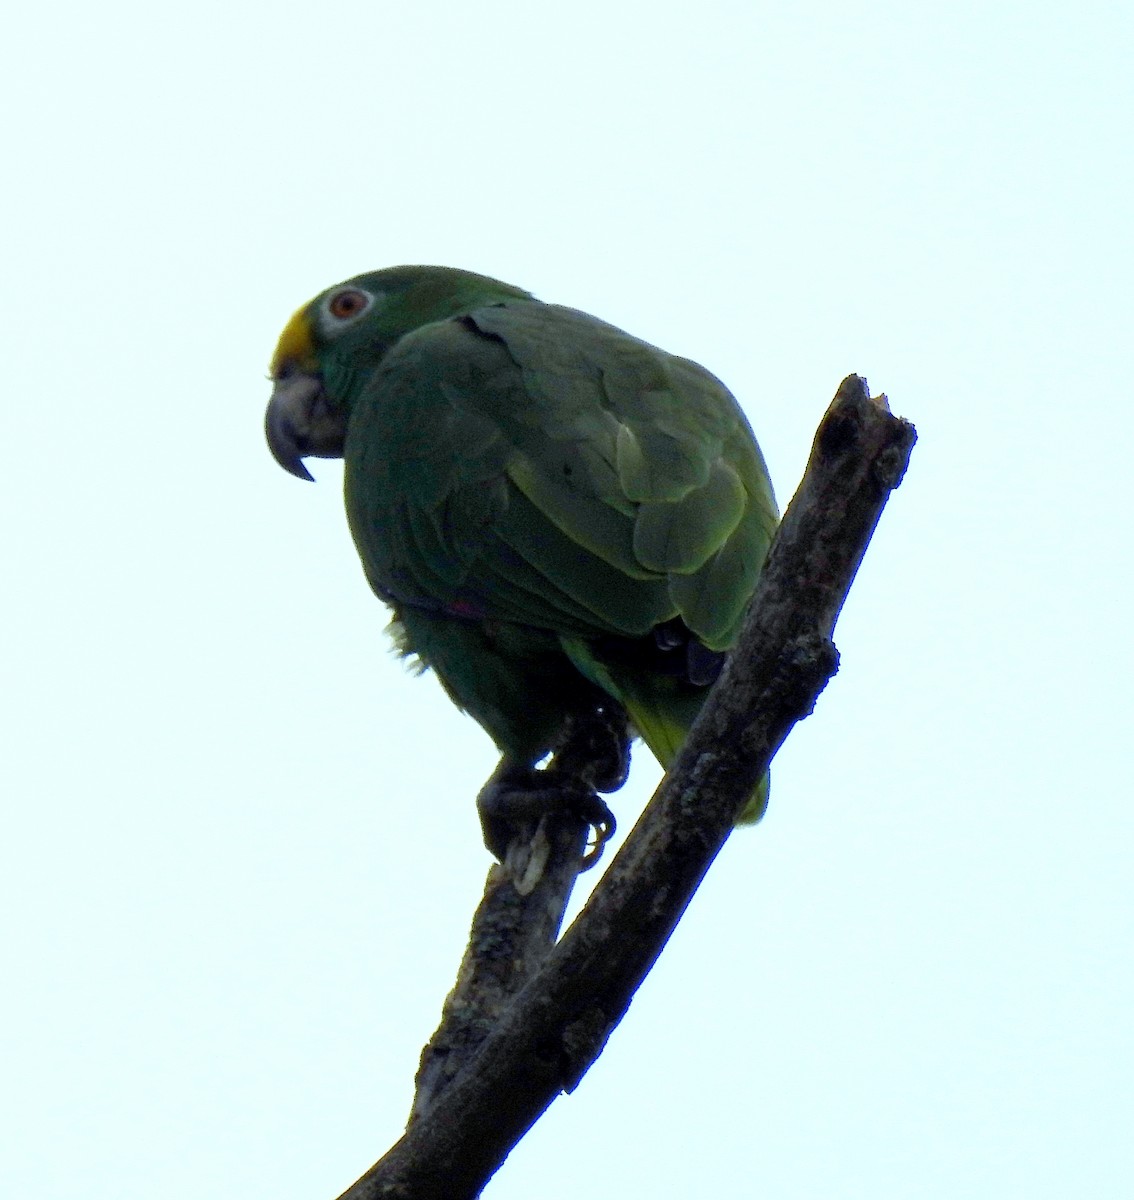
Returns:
<point x="662" y="710"/>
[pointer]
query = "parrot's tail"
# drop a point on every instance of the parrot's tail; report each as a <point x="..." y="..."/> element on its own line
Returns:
<point x="662" y="711"/>
<point x="663" y="721"/>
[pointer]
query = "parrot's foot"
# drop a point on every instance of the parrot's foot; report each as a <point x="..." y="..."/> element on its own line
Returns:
<point x="596" y="749"/>
<point x="515" y="798"/>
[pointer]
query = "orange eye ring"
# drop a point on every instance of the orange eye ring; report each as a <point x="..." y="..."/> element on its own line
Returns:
<point x="348" y="303"/>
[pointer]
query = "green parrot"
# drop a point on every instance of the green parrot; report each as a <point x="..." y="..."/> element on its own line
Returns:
<point x="566" y="522"/>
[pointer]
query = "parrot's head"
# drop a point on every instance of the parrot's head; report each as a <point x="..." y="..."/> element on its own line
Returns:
<point x="331" y="347"/>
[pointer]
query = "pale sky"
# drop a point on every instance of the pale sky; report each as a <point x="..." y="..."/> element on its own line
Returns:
<point x="240" y="845"/>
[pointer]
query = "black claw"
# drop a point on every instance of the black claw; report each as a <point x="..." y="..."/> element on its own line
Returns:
<point x="593" y="811"/>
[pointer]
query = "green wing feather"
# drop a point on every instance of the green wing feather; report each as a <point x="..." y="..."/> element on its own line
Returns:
<point x="529" y="464"/>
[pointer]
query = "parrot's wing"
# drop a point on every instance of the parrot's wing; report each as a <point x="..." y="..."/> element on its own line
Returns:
<point x="660" y="441"/>
<point x="531" y="463"/>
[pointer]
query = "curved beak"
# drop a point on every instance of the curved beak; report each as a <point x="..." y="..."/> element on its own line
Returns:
<point x="300" y="424"/>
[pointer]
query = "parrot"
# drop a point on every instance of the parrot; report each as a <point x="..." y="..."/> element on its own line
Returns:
<point x="566" y="522"/>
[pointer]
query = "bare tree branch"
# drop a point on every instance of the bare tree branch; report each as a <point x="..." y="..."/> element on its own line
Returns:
<point x="518" y="918"/>
<point x="513" y="930"/>
<point x="544" y="1040"/>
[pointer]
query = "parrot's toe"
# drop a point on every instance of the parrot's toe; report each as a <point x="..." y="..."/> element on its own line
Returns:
<point x="595" y="811"/>
<point x="596" y="749"/>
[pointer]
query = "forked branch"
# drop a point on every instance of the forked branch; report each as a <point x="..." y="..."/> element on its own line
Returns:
<point x="540" y="1027"/>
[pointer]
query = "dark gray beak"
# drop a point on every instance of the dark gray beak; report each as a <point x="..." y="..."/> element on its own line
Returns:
<point x="300" y="424"/>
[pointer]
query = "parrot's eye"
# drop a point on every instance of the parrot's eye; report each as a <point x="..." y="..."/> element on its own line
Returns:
<point x="348" y="304"/>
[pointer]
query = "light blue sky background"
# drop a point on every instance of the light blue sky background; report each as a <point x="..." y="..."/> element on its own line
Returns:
<point x="239" y="847"/>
